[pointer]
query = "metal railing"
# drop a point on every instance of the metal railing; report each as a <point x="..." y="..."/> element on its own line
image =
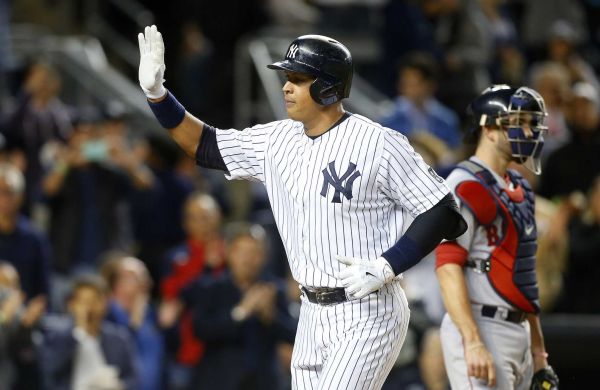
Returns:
<point x="88" y="76"/>
<point x="257" y="90"/>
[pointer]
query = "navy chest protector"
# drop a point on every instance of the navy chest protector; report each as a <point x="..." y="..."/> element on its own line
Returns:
<point x="512" y="262"/>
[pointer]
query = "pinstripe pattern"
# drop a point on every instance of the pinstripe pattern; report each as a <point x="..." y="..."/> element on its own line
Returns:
<point x="352" y="345"/>
<point x="393" y="182"/>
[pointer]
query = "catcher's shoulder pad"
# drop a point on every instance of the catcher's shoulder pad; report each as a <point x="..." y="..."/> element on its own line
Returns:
<point x="477" y="198"/>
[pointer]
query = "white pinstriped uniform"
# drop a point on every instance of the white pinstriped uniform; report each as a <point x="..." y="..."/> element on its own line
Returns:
<point x="380" y="184"/>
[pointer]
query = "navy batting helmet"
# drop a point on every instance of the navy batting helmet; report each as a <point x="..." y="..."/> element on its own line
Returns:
<point x="324" y="58"/>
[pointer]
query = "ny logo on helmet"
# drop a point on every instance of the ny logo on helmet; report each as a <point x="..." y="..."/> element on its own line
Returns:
<point x="292" y="51"/>
<point x="330" y="177"/>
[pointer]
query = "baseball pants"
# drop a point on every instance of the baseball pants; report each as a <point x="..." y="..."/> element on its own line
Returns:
<point x="509" y="344"/>
<point x="351" y="345"/>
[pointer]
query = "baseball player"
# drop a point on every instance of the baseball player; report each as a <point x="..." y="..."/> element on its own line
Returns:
<point x="343" y="190"/>
<point x="491" y="335"/>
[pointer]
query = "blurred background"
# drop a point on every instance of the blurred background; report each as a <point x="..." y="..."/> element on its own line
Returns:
<point x="121" y="261"/>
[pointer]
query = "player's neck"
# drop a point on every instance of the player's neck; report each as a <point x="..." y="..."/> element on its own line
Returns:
<point x="323" y="120"/>
<point x="492" y="159"/>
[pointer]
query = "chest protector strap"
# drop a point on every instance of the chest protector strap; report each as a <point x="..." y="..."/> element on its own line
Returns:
<point x="512" y="262"/>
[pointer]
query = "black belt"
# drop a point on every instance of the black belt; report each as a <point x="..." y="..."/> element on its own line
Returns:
<point x="512" y="316"/>
<point x="324" y="295"/>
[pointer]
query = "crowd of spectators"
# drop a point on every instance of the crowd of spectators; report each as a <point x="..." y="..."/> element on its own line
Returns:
<point x="105" y="263"/>
<point x="123" y="266"/>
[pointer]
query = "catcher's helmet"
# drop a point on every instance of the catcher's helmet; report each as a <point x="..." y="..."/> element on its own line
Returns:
<point x="512" y="109"/>
<point x="327" y="60"/>
<point x="488" y="108"/>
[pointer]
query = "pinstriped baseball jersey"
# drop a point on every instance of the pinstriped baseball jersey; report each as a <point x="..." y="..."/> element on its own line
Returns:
<point x="347" y="192"/>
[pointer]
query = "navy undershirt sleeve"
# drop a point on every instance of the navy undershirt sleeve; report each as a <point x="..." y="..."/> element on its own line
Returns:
<point x="208" y="154"/>
<point x="442" y="221"/>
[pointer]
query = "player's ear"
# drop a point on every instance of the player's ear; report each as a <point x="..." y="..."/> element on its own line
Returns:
<point x="489" y="132"/>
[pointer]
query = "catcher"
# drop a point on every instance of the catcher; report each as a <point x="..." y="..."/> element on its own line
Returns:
<point x="491" y="335"/>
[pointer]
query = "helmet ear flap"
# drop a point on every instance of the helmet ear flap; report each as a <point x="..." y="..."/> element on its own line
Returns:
<point x="324" y="92"/>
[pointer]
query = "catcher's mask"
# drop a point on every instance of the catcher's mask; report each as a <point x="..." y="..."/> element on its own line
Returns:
<point x="524" y="122"/>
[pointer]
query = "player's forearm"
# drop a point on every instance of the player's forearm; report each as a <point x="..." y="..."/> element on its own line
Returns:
<point x="187" y="134"/>
<point x="537" y="337"/>
<point x="184" y="128"/>
<point x="425" y="233"/>
<point x="538" y="349"/>
<point x="456" y="298"/>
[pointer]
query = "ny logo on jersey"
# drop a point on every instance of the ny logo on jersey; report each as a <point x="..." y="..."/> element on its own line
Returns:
<point x="292" y="51"/>
<point x="330" y="177"/>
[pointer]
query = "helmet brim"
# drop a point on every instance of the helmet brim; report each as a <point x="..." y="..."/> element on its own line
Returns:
<point x="296" y="67"/>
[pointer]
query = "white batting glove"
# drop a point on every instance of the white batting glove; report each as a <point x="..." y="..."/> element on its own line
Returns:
<point x="361" y="277"/>
<point x="152" y="63"/>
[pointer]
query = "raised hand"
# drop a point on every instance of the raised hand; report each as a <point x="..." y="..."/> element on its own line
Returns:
<point x="152" y="63"/>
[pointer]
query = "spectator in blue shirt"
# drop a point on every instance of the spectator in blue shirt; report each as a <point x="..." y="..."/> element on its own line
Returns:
<point x="416" y="109"/>
<point x="129" y="283"/>
<point x="21" y="244"/>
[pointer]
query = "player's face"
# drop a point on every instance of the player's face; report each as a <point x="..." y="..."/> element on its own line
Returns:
<point x="296" y="93"/>
<point x="522" y="120"/>
<point x="498" y="137"/>
<point x="525" y="121"/>
<point x="529" y="123"/>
